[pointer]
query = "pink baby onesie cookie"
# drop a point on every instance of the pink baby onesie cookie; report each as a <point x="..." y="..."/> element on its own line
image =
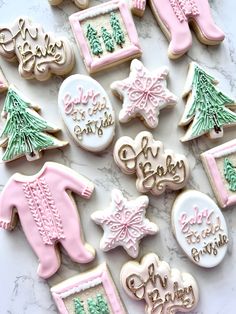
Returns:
<point x="220" y="166"/>
<point x="165" y="290"/>
<point x="25" y="132"/>
<point x="92" y="292"/>
<point x="39" y="54"/>
<point x="106" y="35"/>
<point x="156" y="169"/>
<point x="82" y="4"/>
<point x="48" y="214"/>
<point x="124" y="223"/>
<point x="207" y="109"/>
<point x="200" y="228"/>
<point x="138" y="7"/>
<point x="144" y="94"/>
<point x="3" y="82"/>
<point x="174" y="18"/>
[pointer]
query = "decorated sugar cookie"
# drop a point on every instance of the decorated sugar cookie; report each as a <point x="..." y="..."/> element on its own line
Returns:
<point x="3" y="82"/>
<point x="25" y="132"/>
<point x="82" y="4"/>
<point x="156" y="169"/>
<point x="200" y="228"/>
<point x="207" y="109"/>
<point x="39" y="54"/>
<point x="165" y="290"/>
<point x="138" y="7"/>
<point x="124" y="223"/>
<point x="106" y="35"/>
<point x="174" y="17"/>
<point x="47" y="214"/>
<point x="144" y="94"/>
<point x="87" y="112"/>
<point x="220" y="165"/>
<point x="92" y="292"/>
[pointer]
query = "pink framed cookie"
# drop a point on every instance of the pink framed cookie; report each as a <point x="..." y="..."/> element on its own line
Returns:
<point x="48" y="214"/>
<point x="89" y="292"/>
<point x="164" y="289"/>
<point x="124" y="223"/>
<point x="174" y="17"/>
<point x="220" y="166"/>
<point x="81" y="4"/>
<point x="3" y="82"/>
<point x="106" y="35"/>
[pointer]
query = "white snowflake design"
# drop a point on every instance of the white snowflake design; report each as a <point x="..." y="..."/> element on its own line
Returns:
<point x="124" y="223"/>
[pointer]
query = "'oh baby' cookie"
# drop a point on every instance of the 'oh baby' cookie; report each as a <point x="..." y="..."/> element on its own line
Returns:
<point x="144" y="94"/>
<point x="47" y="213"/>
<point x="156" y="169"/>
<point x="174" y="17"/>
<point x="82" y="4"/>
<point x="106" y="35"/>
<point x="165" y="290"/>
<point x="200" y="228"/>
<point x="220" y="166"/>
<point x="207" y="109"/>
<point x="39" y="54"/>
<point x="91" y="292"/>
<point x="87" y="112"/>
<point x="124" y="223"/>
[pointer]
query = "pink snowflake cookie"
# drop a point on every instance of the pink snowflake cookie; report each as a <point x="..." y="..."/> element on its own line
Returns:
<point x="144" y="94"/>
<point x="124" y="223"/>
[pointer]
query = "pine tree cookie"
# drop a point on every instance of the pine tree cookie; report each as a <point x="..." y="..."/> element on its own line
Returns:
<point x="220" y="166"/>
<point x="144" y="94"/>
<point x="25" y="132"/>
<point x="174" y="18"/>
<point x="165" y="290"/>
<point x="39" y="54"/>
<point x="92" y="292"/>
<point x="3" y="82"/>
<point x="124" y="223"/>
<point x="106" y="35"/>
<point x="81" y="4"/>
<point x="156" y="168"/>
<point x="48" y="214"/>
<point x="207" y="109"/>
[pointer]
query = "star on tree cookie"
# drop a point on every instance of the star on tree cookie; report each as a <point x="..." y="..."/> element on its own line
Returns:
<point x="144" y="94"/>
<point x="124" y="223"/>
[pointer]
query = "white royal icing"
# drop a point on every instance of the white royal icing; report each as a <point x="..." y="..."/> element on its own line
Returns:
<point x="76" y="289"/>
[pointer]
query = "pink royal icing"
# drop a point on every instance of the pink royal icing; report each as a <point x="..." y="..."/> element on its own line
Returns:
<point x="47" y="214"/>
<point x="175" y="16"/>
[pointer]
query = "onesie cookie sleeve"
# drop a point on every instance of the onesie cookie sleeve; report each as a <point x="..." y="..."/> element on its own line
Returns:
<point x="7" y="205"/>
<point x="74" y="181"/>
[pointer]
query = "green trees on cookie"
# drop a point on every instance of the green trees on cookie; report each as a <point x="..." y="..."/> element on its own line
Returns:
<point x="230" y="174"/>
<point x="96" y="305"/>
<point x="78" y="306"/>
<point x="107" y="39"/>
<point x="102" y="304"/>
<point x="24" y="131"/>
<point x="94" y="41"/>
<point x="92" y="306"/>
<point x="118" y="34"/>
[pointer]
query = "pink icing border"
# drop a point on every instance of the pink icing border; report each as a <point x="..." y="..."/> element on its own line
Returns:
<point x="101" y="272"/>
<point x="97" y="65"/>
<point x="210" y="157"/>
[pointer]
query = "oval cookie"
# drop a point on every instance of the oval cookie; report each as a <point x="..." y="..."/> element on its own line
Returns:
<point x="87" y="112"/>
<point x="200" y="228"/>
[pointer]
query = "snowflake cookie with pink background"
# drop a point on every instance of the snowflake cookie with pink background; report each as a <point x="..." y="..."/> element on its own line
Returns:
<point x="144" y="94"/>
<point x="124" y="223"/>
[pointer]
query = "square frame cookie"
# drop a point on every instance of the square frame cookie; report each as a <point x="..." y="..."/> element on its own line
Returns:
<point x="86" y="286"/>
<point x="120" y="46"/>
<point x="219" y="165"/>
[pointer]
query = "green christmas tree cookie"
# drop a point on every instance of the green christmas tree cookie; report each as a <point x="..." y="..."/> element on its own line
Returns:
<point x="78" y="306"/>
<point x="102" y="304"/>
<point x="94" y="42"/>
<point x="92" y="306"/>
<point x="25" y="131"/>
<point x="230" y="174"/>
<point x="118" y="34"/>
<point x="107" y="39"/>
<point x="206" y="109"/>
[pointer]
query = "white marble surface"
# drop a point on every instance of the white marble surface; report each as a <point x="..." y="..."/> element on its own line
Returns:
<point x="22" y="292"/>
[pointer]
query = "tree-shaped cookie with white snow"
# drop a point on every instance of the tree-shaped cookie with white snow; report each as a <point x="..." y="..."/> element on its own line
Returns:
<point x="124" y="223"/>
<point x="144" y="94"/>
<point x="25" y="132"/>
<point x="207" y="109"/>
